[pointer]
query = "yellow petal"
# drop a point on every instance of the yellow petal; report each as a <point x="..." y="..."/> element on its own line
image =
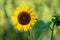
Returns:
<point x="25" y="28"/>
<point x="33" y="17"/>
<point x="25" y="8"/>
<point x="29" y="11"/>
<point x="19" y="27"/>
<point x="32" y="22"/>
<point x="21" y="9"/>
<point x="29" y="27"/>
<point x="32" y="13"/>
<point x="17" y="11"/>
<point x="14" y="20"/>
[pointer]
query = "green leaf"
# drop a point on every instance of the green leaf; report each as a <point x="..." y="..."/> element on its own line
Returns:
<point x="38" y="27"/>
<point x="38" y="24"/>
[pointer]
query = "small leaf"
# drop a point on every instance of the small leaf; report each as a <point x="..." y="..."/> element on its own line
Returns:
<point x="38" y="24"/>
<point x="46" y="25"/>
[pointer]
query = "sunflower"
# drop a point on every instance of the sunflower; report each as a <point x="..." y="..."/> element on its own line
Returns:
<point x="23" y="18"/>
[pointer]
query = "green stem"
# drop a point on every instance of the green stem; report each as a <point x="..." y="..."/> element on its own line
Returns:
<point x="30" y="35"/>
<point x="52" y="38"/>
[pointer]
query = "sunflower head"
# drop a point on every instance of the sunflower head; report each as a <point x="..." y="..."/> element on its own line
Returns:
<point x="23" y="18"/>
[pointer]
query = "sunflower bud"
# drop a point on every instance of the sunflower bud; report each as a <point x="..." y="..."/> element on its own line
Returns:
<point x="56" y="20"/>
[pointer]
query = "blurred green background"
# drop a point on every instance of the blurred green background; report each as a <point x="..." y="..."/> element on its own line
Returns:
<point x="44" y="9"/>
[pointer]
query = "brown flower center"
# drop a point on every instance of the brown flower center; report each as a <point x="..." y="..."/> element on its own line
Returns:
<point x="24" y="18"/>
